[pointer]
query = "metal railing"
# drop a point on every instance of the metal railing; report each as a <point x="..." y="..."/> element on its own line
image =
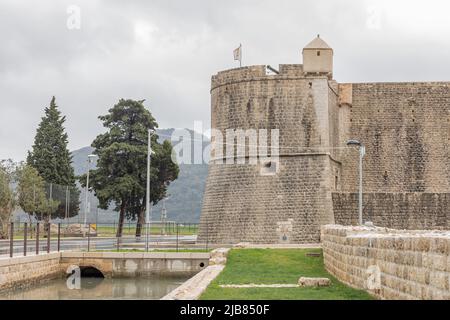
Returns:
<point x="34" y="238"/>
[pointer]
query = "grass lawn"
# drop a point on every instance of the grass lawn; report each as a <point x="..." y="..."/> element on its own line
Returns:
<point x="271" y="266"/>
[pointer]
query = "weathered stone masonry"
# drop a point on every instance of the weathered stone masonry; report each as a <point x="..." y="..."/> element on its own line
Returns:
<point x="404" y="126"/>
<point x="390" y="264"/>
<point x="240" y="203"/>
<point x="413" y="210"/>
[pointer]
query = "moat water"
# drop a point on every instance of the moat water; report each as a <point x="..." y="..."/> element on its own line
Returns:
<point x="97" y="289"/>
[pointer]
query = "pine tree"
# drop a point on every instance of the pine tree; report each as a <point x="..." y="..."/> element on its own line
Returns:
<point x="51" y="158"/>
<point x="120" y="176"/>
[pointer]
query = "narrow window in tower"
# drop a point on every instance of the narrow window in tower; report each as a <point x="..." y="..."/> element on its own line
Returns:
<point x="318" y="53"/>
<point x="336" y="180"/>
<point x="269" y="168"/>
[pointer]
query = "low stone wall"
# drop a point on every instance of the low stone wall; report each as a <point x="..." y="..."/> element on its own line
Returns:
<point x="135" y="264"/>
<point x="24" y="271"/>
<point x="390" y="264"/>
<point x="195" y="286"/>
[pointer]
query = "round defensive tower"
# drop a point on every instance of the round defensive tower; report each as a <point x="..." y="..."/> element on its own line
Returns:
<point x="280" y="199"/>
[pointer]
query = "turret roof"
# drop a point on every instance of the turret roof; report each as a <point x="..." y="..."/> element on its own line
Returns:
<point x="317" y="43"/>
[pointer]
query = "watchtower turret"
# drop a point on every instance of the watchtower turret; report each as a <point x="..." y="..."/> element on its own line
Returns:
<point x="318" y="58"/>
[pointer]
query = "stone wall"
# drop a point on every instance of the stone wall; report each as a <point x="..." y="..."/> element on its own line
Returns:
<point x="406" y="171"/>
<point x="415" y="210"/>
<point x="240" y="203"/>
<point x="24" y="271"/>
<point x="404" y="126"/>
<point x="136" y="264"/>
<point x="406" y="130"/>
<point x="390" y="264"/>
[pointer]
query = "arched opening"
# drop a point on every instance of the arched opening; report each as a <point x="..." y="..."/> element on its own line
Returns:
<point x="87" y="277"/>
<point x="90" y="272"/>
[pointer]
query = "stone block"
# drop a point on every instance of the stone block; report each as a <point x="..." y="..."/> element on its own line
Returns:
<point x="313" y="282"/>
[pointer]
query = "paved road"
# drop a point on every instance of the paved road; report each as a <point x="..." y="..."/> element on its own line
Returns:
<point x="94" y="243"/>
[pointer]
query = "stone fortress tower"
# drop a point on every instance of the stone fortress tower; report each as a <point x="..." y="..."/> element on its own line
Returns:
<point x="404" y="126"/>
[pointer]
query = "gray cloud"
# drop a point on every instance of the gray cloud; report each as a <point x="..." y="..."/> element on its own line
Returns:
<point x="166" y="51"/>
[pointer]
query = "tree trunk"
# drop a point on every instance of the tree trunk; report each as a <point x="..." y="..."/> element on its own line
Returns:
<point x="46" y="223"/>
<point x="30" y="226"/>
<point x="121" y="219"/>
<point x="140" y="222"/>
<point x="5" y="221"/>
<point x="3" y="230"/>
<point x="141" y="218"/>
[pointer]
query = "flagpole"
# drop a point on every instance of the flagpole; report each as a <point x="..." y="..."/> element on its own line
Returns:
<point x="240" y="55"/>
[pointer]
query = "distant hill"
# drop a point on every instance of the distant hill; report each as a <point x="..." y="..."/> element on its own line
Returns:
<point x="185" y="194"/>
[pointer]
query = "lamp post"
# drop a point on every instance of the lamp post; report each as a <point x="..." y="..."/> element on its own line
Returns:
<point x="164" y="215"/>
<point x="362" y="152"/>
<point x="147" y="196"/>
<point x="86" y="204"/>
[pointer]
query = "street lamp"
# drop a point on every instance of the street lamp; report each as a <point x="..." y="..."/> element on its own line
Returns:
<point x="86" y="204"/>
<point x="362" y="152"/>
<point x="164" y="215"/>
<point x="147" y="196"/>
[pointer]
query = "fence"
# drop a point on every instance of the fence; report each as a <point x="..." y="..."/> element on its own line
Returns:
<point x="110" y="228"/>
<point x="34" y="238"/>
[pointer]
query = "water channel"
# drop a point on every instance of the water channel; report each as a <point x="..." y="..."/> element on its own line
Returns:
<point x="96" y="288"/>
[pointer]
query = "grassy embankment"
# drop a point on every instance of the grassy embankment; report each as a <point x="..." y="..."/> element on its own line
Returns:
<point x="276" y="266"/>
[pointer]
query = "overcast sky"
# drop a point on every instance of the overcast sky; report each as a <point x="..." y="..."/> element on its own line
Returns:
<point x="166" y="51"/>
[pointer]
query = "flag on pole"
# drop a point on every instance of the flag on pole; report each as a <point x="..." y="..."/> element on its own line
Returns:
<point x="238" y="54"/>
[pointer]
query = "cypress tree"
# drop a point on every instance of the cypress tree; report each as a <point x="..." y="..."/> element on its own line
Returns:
<point x="51" y="158"/>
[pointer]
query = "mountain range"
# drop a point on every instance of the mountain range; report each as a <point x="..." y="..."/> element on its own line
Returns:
<point x="185" y="194"/>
